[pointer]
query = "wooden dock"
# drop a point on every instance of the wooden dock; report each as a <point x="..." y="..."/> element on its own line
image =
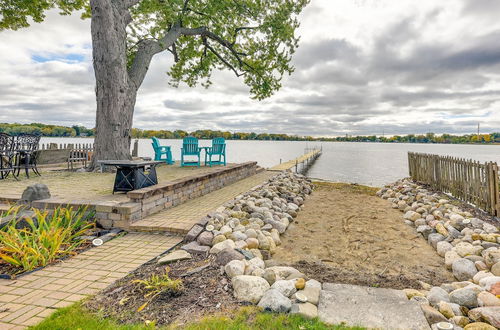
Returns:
<point x="304" y="160"/>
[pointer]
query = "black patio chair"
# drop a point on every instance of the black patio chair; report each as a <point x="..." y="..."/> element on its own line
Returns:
<point x="25" y="148"/>
<point x="6" y="155"/>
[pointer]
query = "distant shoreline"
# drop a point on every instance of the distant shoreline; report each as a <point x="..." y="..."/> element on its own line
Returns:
<point x="321" y="141"/>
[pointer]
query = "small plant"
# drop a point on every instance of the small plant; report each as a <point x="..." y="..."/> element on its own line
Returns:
<point x="157" y="284"/>
<point x="44" y="238"/>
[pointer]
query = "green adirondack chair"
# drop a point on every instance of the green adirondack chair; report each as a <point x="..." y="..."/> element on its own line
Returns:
<point x="162" y="151"/>
<point x="218" y="148"/>
<point x="190" y="148"/>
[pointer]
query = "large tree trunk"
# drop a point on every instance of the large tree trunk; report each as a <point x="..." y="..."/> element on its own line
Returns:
<point x="115" y="93"/>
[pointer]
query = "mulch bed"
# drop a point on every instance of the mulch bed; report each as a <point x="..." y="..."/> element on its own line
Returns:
<point x="206" y="291"/>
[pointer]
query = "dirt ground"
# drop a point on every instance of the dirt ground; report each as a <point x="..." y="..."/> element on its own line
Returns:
<point x="206" y="291"/>
<point x="345" y="234"/>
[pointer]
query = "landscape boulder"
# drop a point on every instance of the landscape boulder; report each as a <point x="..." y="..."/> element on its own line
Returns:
<point x="436" y="295"/>
<point x="222" y="245"/>
<point x="249" y="288"/>
<point x="174" y="256"/>
<point x="464" y="297"/>
<point x="274" y="301"/>
<point x="35" y="192"/>
<point x="490" y="315"/>
<point x="235" y="268"/>
<point x="306" y="310"/>
<point x="227" y="255"/>
<point x="463" y="269"/>
<point x="286" y="287"/>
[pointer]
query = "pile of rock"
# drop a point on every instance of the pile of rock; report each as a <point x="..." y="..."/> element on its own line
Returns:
<point x="243" y="236"/>
<point x="470" y="248"/>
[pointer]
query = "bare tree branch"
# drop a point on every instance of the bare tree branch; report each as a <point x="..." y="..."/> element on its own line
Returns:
<point x="207" y="45"/>
<point x="173" y="50"/>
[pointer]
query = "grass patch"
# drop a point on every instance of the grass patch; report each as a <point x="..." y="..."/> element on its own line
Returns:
<point x="76" y="317"/>
<point x="348" y="187"/>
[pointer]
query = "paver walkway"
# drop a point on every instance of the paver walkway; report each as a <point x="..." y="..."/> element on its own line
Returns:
<point x="29" y="299"/>
<point x="369" y="307"/>
<point x="181" y="218"/>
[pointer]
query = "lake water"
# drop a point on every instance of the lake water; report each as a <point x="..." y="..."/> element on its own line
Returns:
<point x="372" y="164"/>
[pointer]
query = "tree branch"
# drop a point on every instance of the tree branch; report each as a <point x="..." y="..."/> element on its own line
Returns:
<point x="205" y="33"/>
<point x="207" y="45"/>
<point x="146" y="49"/>
<point x="238" y="29"/>
<point x="174" y="52"/>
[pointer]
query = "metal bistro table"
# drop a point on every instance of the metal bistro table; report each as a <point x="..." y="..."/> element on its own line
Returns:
<point x="133" y="174"/>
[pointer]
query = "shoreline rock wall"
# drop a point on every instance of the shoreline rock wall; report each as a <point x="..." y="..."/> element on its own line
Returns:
<point x="243" y="236"/>
<point x="470" y="248"/>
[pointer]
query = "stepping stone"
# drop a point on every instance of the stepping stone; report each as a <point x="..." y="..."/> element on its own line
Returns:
<point x="174" y="256"/>
<point x="369" y="307"/>
<point x="195" y="248"/>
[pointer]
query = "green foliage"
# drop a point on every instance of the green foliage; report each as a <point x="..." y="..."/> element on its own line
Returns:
<point x="16" y="14"/>
<point x="53" y="130"/>
<point x="44" y="130"/>
<point x="76" y="317"/>
<point x="157" y="284"/>
<point x="253" y="38"/>
<point x="45" y="239"/>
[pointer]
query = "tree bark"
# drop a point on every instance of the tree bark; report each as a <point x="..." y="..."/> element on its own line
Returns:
<point x="115" y="94"/>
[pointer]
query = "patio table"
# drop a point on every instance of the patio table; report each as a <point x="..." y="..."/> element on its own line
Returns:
<point x="133" y="174"/>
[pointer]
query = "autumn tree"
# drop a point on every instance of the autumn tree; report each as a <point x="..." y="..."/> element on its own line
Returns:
<point x="254" y="39"/>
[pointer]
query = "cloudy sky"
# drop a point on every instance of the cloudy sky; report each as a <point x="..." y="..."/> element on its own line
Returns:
<point x="362" y="67"/>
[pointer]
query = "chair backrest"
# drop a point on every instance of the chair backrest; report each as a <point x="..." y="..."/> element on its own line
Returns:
<point x="218" y="145"/>
<point x="6" y="142"/>
<point x="190" y="145"/>
<point x="156" y="142"/>
<point x="27" y="142"/>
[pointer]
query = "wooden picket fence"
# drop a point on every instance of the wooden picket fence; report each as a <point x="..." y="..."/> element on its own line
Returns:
<point x="71" y="146"/>
<point x="470" y="181"/>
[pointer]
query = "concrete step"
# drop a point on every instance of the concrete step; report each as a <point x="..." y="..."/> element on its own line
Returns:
<point x="369" y="307"/>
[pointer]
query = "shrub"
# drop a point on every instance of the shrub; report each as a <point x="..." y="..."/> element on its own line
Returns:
<point x="157" y="284"/>
<point x="44" y="238"/>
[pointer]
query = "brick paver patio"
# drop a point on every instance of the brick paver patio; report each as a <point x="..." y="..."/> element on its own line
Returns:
<point x="181" y="218"/>
<point x="29" y="299"/>
<point x="93" y="186"/>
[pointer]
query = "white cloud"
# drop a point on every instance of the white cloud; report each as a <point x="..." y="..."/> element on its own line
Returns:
<point x="363" y="67"/>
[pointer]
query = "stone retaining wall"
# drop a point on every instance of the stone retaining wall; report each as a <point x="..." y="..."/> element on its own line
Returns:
<point x="150" y="200"/>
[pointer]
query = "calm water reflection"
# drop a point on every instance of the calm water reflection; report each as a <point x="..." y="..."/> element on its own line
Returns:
<point x="365" y="163"/>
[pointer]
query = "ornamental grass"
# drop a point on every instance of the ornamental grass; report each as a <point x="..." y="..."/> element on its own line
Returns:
<point x="29" y="242"/>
